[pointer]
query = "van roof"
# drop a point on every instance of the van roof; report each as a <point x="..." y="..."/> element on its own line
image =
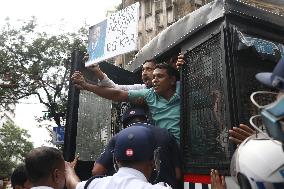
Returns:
<point x="196" y="20"/>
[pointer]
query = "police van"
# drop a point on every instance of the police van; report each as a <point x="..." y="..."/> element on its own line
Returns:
<point x="225" y="43"/>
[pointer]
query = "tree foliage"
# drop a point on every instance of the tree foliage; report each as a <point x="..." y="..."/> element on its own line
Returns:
<point x="14" y="145"/>
<point x="34" y="62"/>
<point x="119" y="7"/>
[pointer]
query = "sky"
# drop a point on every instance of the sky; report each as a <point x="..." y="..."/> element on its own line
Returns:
<point x="49" y="14"/>
<point x="74" y="12"/>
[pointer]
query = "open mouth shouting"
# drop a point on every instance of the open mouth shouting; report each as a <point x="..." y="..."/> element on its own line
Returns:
<point x="147" y="81"/>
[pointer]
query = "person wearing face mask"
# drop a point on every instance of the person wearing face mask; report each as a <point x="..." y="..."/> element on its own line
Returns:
<point x="274" y="79"/>
<point x="258" y="161"/>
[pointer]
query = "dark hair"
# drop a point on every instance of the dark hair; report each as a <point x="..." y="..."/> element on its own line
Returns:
<point x="131" y="164"/>
<point x="172" y="72"/>
<point x="150" y="60"/>
<point x="41" y="162"/>
<point x="19" y="176"/>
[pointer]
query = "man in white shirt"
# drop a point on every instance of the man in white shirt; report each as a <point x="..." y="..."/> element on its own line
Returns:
<point x="134" y="154"/>
<point x="45" y="168"/>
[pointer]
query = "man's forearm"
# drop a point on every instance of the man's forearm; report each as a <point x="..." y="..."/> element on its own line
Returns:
<point x="71" y="181"/>
<point x="108" y="93"/>
<point x="71" y="178"/>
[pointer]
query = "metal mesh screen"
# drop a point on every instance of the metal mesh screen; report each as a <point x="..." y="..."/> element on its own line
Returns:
<point x="246" y="66"/>
<point x="94" y="125"/>
<point x="204" y="109"/>
<point x="216" y="97"/>
<point x="117" y="111"/>
<point x="253" y="55"/>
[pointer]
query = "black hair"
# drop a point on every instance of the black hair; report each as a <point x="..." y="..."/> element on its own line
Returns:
<point x="41" y="162"/>
<point x="19" y="176"/>
<point x="130" y="164"/>
<point x="125" y="163"/>
<point x="150" y="60"/>
<point x="172" y="72"/>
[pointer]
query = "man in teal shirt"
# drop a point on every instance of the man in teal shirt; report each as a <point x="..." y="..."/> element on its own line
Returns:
<point x="165" y="113"/>
<point x="163" y="99"/>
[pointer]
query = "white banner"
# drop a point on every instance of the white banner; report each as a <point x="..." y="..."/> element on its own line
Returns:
<point x="116" y="35"/>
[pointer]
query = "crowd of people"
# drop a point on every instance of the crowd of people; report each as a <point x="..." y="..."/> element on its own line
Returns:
<point x="146" y="153"/>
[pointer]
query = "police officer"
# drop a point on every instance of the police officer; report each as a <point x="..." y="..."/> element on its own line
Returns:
<point x="134" y="154"/>
<point x="170" y="166"/>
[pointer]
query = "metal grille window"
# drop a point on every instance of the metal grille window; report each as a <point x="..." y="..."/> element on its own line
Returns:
<point x="216" y="95"/>
<point x="158" y="5"/>
<point x="170" y="16"/>
<point x="148" y="7"/>
<point x="204" y="107"/>
<point x="159" y="20"/>
<point x="169" y="3"/>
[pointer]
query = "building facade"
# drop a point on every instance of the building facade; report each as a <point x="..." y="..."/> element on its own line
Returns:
<point x="275" y="6"/>
<point x="7" y="114"/>
<point x="156" y="15"/>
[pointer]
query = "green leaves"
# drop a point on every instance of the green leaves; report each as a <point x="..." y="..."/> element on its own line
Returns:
<point x="14" y="145"/>
<point x="37" y="63"/>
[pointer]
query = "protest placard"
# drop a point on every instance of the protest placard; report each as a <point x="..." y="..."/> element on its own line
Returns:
<point x="114" y="36"/>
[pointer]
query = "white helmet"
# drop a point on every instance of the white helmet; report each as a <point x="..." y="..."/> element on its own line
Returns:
<point x="258" y="163"/>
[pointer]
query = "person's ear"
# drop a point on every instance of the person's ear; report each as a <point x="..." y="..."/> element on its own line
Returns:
<point x="56" y="175"/>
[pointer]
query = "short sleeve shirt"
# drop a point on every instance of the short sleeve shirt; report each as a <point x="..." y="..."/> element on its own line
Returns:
<point x="165" y="114"/>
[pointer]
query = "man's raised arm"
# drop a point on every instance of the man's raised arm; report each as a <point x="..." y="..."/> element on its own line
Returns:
<point x="109" y="93"/>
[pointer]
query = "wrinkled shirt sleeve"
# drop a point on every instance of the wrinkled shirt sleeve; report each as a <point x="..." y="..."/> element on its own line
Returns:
<point x="107" y="82"/>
